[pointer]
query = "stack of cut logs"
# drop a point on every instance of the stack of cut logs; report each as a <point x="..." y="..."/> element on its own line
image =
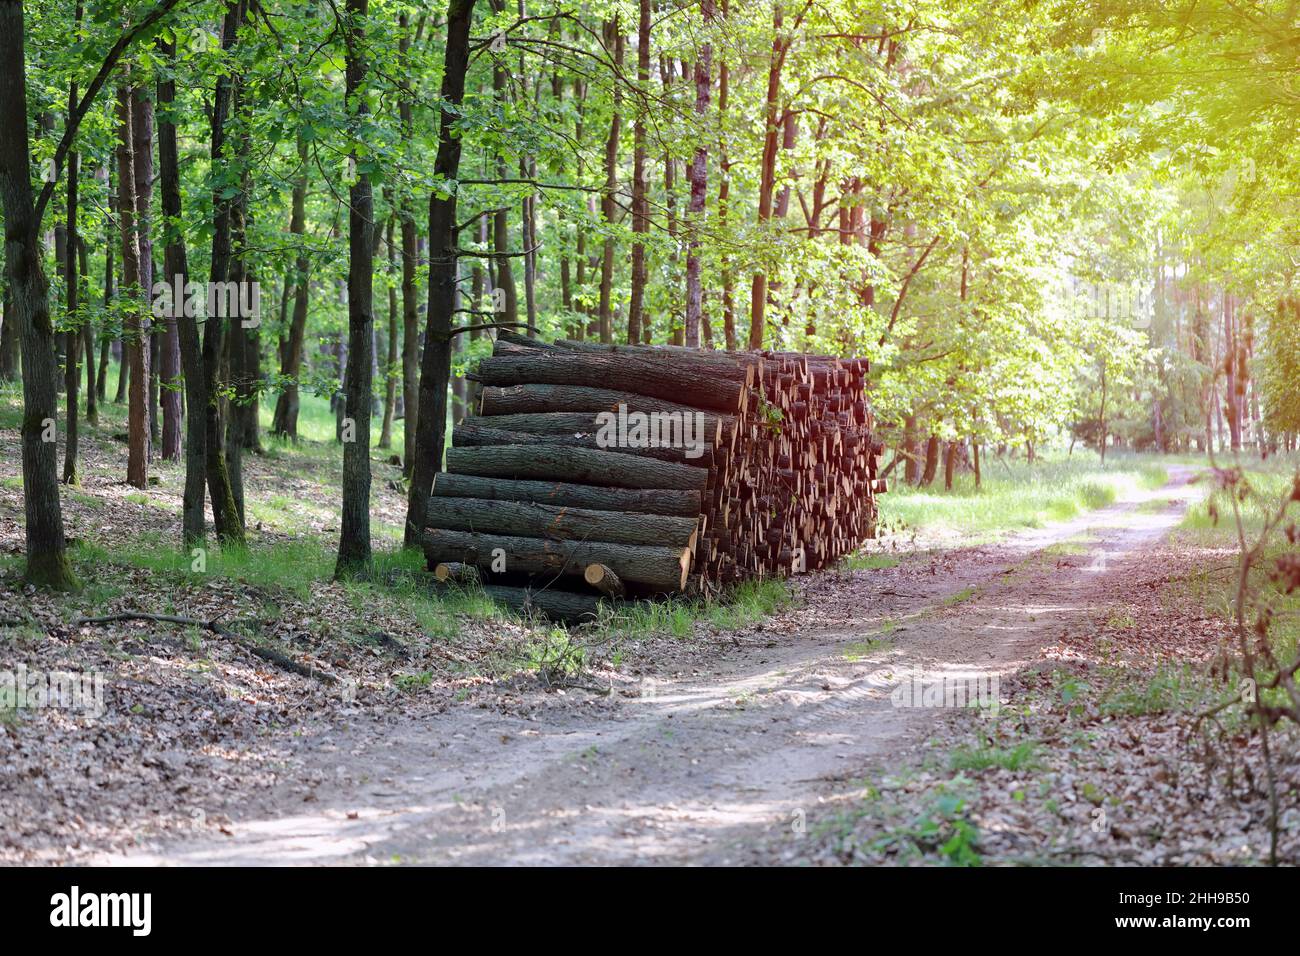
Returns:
<point x="710" y="467"/>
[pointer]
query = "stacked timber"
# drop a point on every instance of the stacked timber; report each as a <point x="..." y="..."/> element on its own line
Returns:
<point x="608" y="471"/>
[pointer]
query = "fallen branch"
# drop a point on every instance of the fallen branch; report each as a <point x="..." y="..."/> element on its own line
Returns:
<point x="264" y="653"/>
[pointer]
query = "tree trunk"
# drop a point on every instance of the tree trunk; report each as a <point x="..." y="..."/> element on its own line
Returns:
<point x="558" y="522"/>
<point x="8" y="339"/>
<point x="88" y="344"/>
<point x="134" y="331"/>
<point x="620" y="372"/>
<point x="609" y="199"/>
<point x="226" y="518"/>
<point x="931" y="461"/>
<point x="110" y="287"/>
<point x="182" y="318"/>
<point x="683" y="504"/>
<point x="435" y="368"/>
<point x="656" y="568"/>
<point x="949" y="464"/>
<point x="29" y="308"/>
<point x="390" y="363"/>
<point x="472" y="434"/>
<point x="72" y="338"/>
<point x="724" y="200"/>
<point x="767" y="172"/>
<point x="354" y="536"/>
<point x="699" y="177"/>
<point x="552" y="401"/>
<point x="284" y="422"/>
<point x="579" y="465"/>
<point x="640" y="184"/>
<point x="410" y="295"/>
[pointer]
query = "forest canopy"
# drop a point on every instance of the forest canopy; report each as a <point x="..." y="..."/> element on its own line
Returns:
<point x="1039" y="221"/>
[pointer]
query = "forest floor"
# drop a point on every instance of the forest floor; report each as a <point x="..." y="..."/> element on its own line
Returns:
<point x="447" y="737"/>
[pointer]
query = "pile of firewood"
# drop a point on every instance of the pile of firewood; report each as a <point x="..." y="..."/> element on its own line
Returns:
<point x="601" y="470"/>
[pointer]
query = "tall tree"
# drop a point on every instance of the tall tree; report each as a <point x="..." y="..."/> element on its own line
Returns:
<point x="134" y="323"/>
<point x="640" y="177"/>
<point x="29" y="308"/>
<point x="699" y="177"/>
<point x="435" y="368"/>
<point x="609" y="198"/>
<point x="354" y="536"/>
<point x="284" y="422"/>
<point x="72" y="338"/>
<point x="182" y="317"/>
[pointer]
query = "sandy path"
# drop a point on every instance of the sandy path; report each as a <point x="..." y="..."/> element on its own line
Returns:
<point x="689" y="770"/>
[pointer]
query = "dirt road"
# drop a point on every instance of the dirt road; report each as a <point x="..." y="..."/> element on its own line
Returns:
<point x="688" y="770"/>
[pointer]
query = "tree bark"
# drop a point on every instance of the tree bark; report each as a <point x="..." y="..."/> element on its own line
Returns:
<point x="390" y="363"/>
<point x="931" y="461"/>
<point x="471" y="434"/>
<point x="640" y="201"/>
<point x="554" y="401"/>
<point x="724" y="200"/>
<point x="72" y="339"/>
<point x="354" y="536"/>
<point x="579" y="465"/>
<point x="643" y="376"/>
<point x="410" y="295"/>
<point x="29" y="309"/>
<point x="134" y="327"/>
<point x="683" y="504"/>
<point x="560" y="523"/>
<point x="184" y="321"/>
<point x="226" y="518"/>
<point x="88" y="344"/>
<point x="609" y="198"/>
<point x="284" y="422"/>
<point x="767" y="171"/>
<point x="656" y="568"/>
<point x="435" y="368"/>
<point x="699" y="177"/>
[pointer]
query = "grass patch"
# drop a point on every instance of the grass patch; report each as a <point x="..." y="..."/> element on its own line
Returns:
<point x="1016" y="494"/>
<point x="942" y="829"/>
<point x="860" y="649"/>
<point x="868" y="561"/>
<point x="961" y="597"/>
<point x="744" y="604"/>
<point x="1022" y="756"/>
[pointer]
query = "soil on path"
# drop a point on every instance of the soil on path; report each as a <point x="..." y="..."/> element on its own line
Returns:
<point x="696" y="767"/>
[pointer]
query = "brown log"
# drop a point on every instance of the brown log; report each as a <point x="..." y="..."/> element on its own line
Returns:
<point x="604" y="580"/>
<point x="683" y="504"/>
<point x="547" y="521"/>
<point x="658" y="569"/>
<point x="546" y="400"/>
<point x="454" y="571"/>
<point x="471" y="434"/>
<point x="578" y="465"/>
<point x="654" y="378"/>
<point x="553" y="603"/>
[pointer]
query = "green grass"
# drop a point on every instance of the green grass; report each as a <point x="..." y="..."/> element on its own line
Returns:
<point x="868" y="561"/>
<point x="1168" y="689"/>
<point x="1022" y="756"/>
<point x="1016" y="494"/>
<point x="745" y="604"/>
